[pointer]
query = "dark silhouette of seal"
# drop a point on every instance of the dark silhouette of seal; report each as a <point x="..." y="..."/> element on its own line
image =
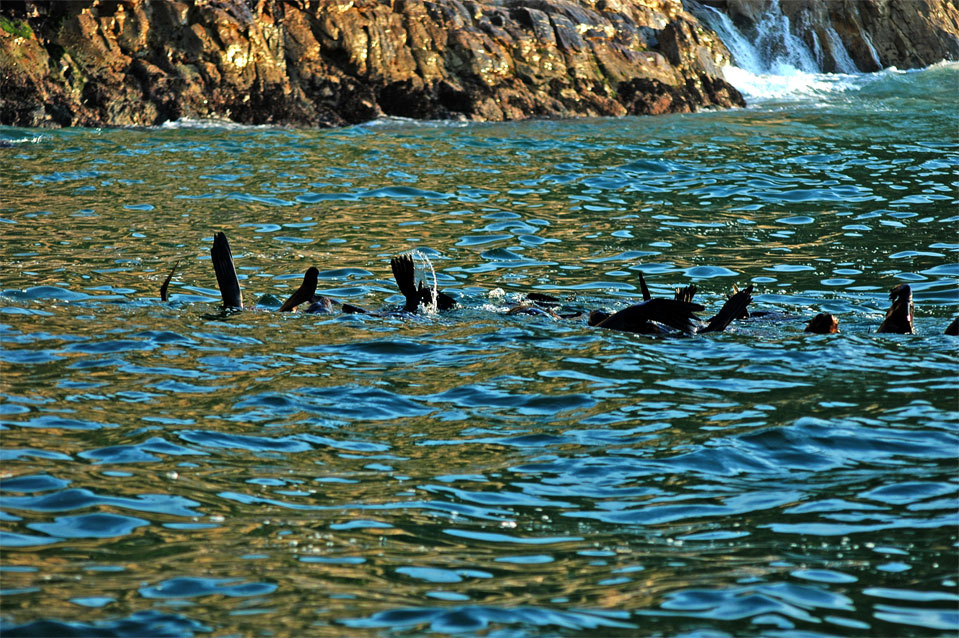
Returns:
<point x="166" y="282"/>
<point x="226" y="278"/>
<point x="404" y="272"/>
<point x="823" y="324"/>
<point x="304" y="293"/>
<point x="953" y="328"/>
<point x="650" y="317"/>
<point x="654" y="316"/>
<point x="899" y="316"/>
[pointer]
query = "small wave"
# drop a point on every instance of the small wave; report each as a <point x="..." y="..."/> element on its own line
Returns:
<point x="206" y="123"/>
<point x="394" y="121"/>
<point x="787" y="82"/>
<point x="9" y="143"/>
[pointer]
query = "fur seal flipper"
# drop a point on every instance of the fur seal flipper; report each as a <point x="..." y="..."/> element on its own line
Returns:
<point x="404" y="272"/>
<point x="734" y="307"/>
<point x="166" y="282"/>
<point x="644" y="288"/>
<point x="226" y="279"/>
<point x="953" y="328"/>
<point x="304" y="293"/>
<point x="686" y="294"/>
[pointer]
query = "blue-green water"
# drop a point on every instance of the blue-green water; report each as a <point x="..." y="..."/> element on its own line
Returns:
<point x="168" y="471"/>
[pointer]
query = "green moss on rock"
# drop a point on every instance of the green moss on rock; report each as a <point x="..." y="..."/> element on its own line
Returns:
<point x="18" y="28"/>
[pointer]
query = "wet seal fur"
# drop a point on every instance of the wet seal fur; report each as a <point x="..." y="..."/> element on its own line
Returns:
<point x="899" y="316"/>
<point x="822" y="324"/>
<point x="653" y="316"/>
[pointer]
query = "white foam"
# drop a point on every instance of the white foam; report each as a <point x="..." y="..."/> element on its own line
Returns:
<point x="786" y="81"/>
<point x="204" y="123"/>
<point x="36" y="139"/>
<point x="776" y="63"/>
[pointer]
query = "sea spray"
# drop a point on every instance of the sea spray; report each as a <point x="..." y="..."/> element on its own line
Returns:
<point x="774" y="63"/>
<point x="433" y="308"/>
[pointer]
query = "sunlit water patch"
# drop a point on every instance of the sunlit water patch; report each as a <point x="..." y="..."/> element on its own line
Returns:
<point x="171" y="470"/>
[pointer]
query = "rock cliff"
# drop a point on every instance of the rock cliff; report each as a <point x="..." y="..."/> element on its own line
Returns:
<point x="336" y="62"/>
<point x="875" y="34"/>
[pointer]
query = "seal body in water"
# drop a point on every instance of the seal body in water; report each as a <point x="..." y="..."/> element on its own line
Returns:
<point x="823" y="324"/>
<point x="651" y="317"/>
<point x="656" y="316"/>
<point x="899" y="316"/>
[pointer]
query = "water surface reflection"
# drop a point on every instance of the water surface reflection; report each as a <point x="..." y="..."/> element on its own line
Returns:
<point x="167" y="471"/>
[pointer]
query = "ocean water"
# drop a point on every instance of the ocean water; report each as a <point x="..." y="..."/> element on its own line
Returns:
<point x="169" y="470"/>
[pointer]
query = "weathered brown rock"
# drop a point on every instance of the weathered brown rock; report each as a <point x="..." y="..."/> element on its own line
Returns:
<point x="335" y="62"/>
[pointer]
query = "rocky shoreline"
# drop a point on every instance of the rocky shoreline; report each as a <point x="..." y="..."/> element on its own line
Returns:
<point x="338" y="62"/>
<point x="332" y="63"/>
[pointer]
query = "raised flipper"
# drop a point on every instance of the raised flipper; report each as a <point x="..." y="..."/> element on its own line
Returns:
<point x="953" y="328"/>
<point x="643" y="317"/>
<point x="404" y="272"/>
<point x="899" y="316"/>
<point x="226" y="278"/>
<point x="734" y="307"/>
<point x="686" y="294"/>
<point x="166" y="282"/>
<point x="304" y="293"/>
<point x="644" y="288"/>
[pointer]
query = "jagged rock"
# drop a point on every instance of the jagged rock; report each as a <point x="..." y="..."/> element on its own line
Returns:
<point x="875" y="34"/>
<point x="336" y="62"/>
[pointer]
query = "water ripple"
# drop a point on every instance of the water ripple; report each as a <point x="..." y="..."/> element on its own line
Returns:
<point x="480" y="471"/>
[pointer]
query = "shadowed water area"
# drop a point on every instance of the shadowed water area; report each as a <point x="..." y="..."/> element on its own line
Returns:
<point x="171" y="471"/>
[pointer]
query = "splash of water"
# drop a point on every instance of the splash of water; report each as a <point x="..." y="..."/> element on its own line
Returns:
<point x="776" y="46"/>
<point x="433" y="308"/>
<point x="781" y="48"/>
<point x="775" y="62"/>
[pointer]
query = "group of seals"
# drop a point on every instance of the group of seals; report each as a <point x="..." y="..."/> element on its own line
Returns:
<point x="898" y="319"/>
<point x="653" y="316"/>
<point x="650" y="317"/>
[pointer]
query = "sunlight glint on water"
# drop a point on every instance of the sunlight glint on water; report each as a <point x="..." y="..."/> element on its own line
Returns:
<point x="168" y="470"/>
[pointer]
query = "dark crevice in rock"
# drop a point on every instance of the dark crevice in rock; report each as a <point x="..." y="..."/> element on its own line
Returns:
<point x="330" y="63"/>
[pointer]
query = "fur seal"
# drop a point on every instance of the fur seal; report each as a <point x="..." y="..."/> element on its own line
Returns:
<point x="899" y="316"/>
<point x="404" y="272"/>
<point x="304" y="293"/>
<point x="823" y="324"/>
